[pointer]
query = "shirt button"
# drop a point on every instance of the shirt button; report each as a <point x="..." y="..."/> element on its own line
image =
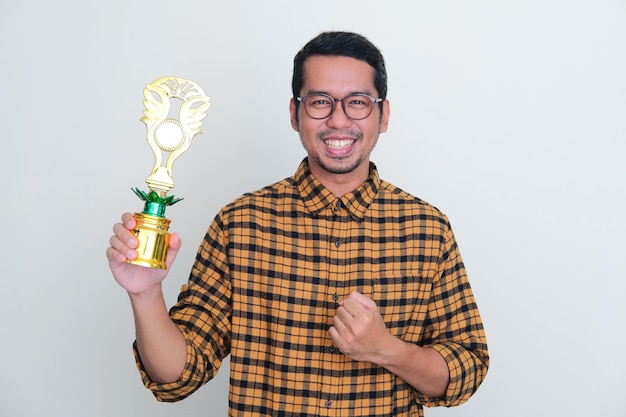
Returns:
<point x="335" y="297"/>
<point x="332" y="349"/>
<point x="328" y="404"/>
<point x="338" y="243"/>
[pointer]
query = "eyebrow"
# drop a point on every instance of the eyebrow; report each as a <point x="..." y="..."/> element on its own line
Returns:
<point x="366" y="92"/>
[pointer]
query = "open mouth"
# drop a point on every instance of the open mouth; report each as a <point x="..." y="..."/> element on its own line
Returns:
<point x="339" y="144"/>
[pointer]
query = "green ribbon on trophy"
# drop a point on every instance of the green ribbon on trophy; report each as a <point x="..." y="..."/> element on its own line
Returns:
<point x="168" y="135"/>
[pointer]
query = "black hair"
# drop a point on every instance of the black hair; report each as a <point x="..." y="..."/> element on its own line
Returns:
<point x="347" y="44"/>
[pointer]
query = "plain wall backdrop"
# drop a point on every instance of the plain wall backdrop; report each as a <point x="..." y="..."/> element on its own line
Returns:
<point x="509" y="116"/>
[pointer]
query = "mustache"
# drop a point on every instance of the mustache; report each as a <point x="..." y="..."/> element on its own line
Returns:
<point x="354" y="134"/>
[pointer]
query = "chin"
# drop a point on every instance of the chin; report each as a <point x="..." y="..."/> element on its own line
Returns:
<point x="340" y="168"/>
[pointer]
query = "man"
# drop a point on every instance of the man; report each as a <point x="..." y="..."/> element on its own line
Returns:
<point x="334" y="292"/>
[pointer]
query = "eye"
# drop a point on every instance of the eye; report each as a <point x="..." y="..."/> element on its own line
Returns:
<point x="319" y="101"/>
<point x="358" y="101"/>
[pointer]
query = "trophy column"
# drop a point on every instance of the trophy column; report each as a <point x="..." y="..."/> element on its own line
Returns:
<point x="169" y="136"/>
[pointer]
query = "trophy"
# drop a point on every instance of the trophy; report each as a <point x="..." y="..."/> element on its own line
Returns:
<point x="174" y="109"/>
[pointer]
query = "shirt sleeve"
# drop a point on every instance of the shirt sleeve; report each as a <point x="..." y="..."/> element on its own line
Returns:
<point x="454" y="328"/>
<point x="203" y="314"/>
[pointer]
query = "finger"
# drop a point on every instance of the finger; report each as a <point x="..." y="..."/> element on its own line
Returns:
<point x="351" y="306"/>
<point x="334" y="335"/>
<point x="339" y="339"/>
<point x="125" y="236"/>
<point x="337" y="336"/>
<point x="128" y="220"/>
<point x="120" y="250"/>
<point x="364" y="301"/>
<point x="341" y="318"/>
<point x="343" y="315"/>
<point x="114" y="255"/>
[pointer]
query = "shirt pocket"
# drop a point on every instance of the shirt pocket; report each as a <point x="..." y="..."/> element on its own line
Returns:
<point x="402" y="301"/>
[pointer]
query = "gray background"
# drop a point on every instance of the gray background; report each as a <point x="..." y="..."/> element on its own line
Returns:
<point x="507" y="115"/>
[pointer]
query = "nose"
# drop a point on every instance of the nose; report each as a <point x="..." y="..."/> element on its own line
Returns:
<point x="338" y="119"/>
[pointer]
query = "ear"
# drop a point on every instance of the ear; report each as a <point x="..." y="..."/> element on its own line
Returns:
<point x="384" y="119"/>
<point x="294" y="115"/>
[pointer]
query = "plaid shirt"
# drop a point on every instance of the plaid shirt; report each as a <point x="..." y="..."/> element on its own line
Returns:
<point x="266" y="282"/>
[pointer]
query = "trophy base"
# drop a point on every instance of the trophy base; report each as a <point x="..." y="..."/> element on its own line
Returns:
<point x="151" y="231"/>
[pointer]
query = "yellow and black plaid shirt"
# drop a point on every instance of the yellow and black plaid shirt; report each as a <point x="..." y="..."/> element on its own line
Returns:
<point x="267" y="280"/>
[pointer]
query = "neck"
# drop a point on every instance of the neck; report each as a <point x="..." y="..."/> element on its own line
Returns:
<point x="341" y="184"/>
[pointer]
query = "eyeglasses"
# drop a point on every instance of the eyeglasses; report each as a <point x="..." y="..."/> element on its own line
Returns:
<point x="356" y="106"/>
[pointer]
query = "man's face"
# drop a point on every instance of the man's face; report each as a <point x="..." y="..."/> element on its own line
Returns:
<point x="338" y="145"/>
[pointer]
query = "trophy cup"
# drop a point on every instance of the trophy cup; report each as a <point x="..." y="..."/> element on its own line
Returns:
<point x="170" y="130"/>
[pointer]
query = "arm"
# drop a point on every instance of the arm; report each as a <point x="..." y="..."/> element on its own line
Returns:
<point x="160" y="342"/>
<point x="360" y="333"/>
<point x="452" y="335"/>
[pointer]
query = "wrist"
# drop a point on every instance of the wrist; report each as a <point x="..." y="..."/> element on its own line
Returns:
<point x="392" y="351"/>
<point x="148" y="296"/>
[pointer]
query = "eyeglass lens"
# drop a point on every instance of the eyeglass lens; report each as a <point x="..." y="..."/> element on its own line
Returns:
<point x="356" y="106"/>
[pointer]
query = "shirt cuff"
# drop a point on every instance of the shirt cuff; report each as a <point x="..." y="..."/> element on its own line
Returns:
<point x="466" y="372"/>
<point x="189" y="381"/>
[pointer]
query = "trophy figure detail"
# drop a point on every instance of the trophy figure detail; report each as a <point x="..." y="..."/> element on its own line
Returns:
<point x="169" y="134"/>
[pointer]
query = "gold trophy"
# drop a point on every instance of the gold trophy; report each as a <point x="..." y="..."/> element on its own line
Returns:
<point x="169" y="133"/>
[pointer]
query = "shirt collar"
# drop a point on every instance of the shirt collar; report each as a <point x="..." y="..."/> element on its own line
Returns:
<point x="316" y="196"/>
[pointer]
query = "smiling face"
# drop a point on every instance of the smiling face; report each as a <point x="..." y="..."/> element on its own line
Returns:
<point x="338" y="147"/>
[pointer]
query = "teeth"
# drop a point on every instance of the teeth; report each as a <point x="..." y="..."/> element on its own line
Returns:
<point x="338" y="144"/>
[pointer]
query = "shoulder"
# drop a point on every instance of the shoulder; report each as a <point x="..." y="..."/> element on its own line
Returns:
<point x="394" y="204"/>
<point x="394" y="195"/>
<point x="267" y="198"/>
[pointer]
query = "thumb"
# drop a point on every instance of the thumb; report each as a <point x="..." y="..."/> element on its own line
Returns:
<point x="174" y="247"/>
<point x="363" y="300"/>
